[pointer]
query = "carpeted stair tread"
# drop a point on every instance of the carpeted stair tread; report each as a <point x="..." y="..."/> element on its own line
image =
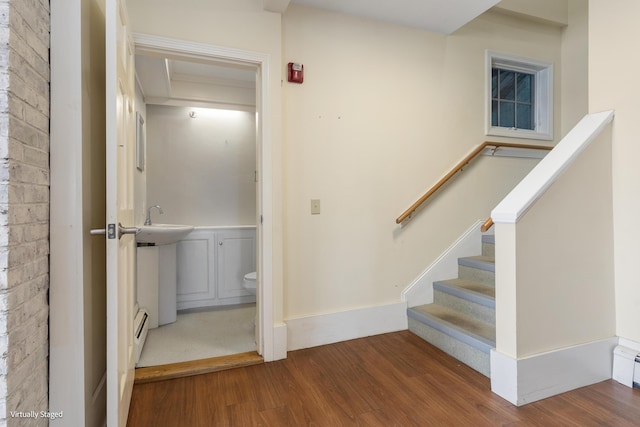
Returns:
<point x="469" y="290"/>
<point x="464" y="328"/>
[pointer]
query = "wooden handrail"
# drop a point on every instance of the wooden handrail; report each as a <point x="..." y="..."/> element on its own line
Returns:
<point x="459" y="167"/>
<point x="487" y="224"/>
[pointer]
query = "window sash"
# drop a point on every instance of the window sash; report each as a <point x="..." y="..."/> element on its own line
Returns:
<point x="509" y="110"/>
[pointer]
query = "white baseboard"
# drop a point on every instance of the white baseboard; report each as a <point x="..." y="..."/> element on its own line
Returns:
<point x="630" y="344"/>
<point x="420" y="291"/>
<point x="526" y="380"/>
<point x="280" y="341"/>
<point x="312" y="331"/>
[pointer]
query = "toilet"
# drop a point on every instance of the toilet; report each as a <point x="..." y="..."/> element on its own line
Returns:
<point x="249" y="282"/>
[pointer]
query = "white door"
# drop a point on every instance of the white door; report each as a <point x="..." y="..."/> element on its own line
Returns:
<point x="120" y="124"/>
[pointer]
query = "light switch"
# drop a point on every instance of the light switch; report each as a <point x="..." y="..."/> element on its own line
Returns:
<point x="315" y="206"/>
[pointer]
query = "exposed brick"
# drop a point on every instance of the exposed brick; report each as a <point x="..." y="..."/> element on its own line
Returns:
<point x="24" y="208"/>
<point x="24" y="173"/>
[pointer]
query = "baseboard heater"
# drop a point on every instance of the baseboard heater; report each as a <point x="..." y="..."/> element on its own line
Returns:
<point x="141" y="328"/>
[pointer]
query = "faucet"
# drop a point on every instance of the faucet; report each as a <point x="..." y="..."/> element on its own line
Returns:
<point x="148" y="220"/>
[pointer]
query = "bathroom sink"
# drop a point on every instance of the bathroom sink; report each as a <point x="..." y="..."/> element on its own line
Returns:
<point x="162" y="234"/>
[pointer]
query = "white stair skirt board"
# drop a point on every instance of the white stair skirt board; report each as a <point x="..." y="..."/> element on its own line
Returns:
<point x="420" y="291"/>
<point x="312" y="331"/>
<point x="547" y="374"/>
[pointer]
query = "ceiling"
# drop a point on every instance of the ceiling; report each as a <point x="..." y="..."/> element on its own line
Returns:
<point x="164" y="79"/>
<point x="441" y="16"/>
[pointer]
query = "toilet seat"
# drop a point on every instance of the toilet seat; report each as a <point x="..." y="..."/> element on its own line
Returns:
<point x="249" y="282"/>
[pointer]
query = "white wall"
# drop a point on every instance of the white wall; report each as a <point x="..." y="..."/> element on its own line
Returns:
<point x="201" y="170"/>
<point x="613" y="65"/>
<point x="383" y="113"/>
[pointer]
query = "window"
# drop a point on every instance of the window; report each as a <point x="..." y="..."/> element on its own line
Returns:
<point x="519" y="97"/>
<point x="512" y="98"/>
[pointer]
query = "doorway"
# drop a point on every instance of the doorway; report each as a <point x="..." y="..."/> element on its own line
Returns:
<point x="207" y="55"/>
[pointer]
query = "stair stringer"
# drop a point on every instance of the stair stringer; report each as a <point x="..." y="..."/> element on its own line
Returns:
<point x="420" y="291"/>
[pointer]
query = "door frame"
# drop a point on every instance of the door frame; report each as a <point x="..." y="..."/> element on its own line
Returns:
<point x="187" y="50"/>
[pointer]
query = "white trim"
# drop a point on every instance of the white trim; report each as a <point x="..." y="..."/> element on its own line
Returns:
<point x="420" y="291"/>
<point x="280" y="341"/>
<point x="67" y="370"/>
<point x="312" y="331"/>
<point x="630" y="344"/>
<point x="543" y="103"/>
<point x="522" y="153"/>
<point x="518" y="201"/>
<point x="526" y="380"/>
<point x="183" y="49"/>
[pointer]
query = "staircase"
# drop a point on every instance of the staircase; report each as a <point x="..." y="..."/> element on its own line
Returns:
<point x="461" y="320"/>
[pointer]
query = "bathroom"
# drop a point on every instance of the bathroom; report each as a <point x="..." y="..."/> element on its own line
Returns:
<point x="196" y="165"/>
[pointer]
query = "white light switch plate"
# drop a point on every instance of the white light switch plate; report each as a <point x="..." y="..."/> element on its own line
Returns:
<point x="315" y="206"/>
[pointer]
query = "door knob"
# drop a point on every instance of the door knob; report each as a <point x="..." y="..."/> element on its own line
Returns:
<point x="110" y="231"/>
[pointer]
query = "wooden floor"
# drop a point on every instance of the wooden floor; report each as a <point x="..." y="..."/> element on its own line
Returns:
<point x="387" y="380"/>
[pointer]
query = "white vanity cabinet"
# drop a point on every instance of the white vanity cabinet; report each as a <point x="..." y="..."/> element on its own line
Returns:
<point x="211" y="264"/>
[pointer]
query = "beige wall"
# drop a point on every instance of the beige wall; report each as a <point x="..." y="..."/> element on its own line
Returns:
<point x="613" y="71"/>
<point x="383" y="113"/>
<point x="574" y="92"/>
<point x="553" y="11"/>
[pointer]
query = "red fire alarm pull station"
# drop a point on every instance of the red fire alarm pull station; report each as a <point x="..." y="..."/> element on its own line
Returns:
<point x="296" y="72"/>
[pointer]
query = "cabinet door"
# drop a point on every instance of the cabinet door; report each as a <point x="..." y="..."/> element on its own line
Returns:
<point x="195" y="275"/>
<point x="236" y="257"/>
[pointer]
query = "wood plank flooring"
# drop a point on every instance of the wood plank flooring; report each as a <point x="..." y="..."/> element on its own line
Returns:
<point x="386" y="380"/>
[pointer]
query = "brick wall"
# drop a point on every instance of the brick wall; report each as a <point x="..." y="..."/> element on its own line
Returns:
<point x="24" y="210"/>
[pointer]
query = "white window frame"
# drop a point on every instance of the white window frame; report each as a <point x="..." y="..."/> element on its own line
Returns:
<point x="543" y="101"/>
